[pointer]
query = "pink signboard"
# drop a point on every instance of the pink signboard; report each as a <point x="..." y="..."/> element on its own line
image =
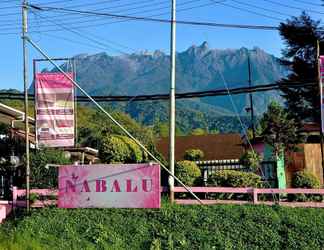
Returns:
<point x="54" y="95"/>
<point x="322" y="90"/>
<point x="115" y="185"/>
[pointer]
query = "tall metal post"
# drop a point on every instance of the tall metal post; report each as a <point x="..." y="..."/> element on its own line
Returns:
<point x="251" y="97"/>
<point x="321" y="100"/>
<point x="172" y="99"/>
<point x="24" y="33"/>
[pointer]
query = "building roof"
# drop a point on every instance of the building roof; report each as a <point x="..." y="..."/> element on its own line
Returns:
<point x="215" y="147"/>
<point x="8" y="114"/>
<point x="311" y="127"/>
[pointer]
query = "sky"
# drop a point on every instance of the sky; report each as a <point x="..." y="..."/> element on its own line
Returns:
<point x="62" y="34"/>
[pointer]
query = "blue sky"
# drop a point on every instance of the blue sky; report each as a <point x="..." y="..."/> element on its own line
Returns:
<point x="133" y="36"/>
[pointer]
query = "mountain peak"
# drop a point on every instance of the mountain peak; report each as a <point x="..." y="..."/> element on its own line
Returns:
<point x="198" y="51"/>
<point x="204" y="46"/>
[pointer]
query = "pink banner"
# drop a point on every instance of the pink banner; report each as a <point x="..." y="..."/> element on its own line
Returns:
<point x="321" y="63"/>
<point x="54" y="95"/>
<point x="103" y="186"/>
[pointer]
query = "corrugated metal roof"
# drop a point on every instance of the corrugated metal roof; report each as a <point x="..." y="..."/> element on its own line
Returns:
<point x="215" y="147"/>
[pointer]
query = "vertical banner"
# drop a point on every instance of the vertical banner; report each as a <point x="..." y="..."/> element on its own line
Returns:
<point x="54" y="107"/>
<point x="103" y="186"/>
<point x="321" y="63"/>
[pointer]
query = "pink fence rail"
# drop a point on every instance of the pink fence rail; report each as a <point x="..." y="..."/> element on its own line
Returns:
<point x="50" y="197"/>
<point x="254" y="193"/>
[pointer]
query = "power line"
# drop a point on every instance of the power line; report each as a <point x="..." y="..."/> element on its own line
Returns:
<point x="123" y="5"/>
<point x="99" y="9"/>
<point x="54" y="2"/>
<point x="261" y="8"/>
<point x="10" y="7"/>
<point x="187" y="95"/>
<point x="211" y="24"/>
<point x="89" y="38"/>
<point x="251" y="11"/>
<point x="313" y="4"/>
<point x="9" y="1"/>
<point x="292" y="7"/>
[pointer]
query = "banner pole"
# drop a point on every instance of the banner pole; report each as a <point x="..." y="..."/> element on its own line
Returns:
<point x="321" y="103"/>
<point x="25" y="68"/>
<point x="172" y="99"/>
<point x="113" y="119"/>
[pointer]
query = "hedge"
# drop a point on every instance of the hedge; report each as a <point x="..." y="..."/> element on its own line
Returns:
<point x="171" y="227"/>
<point x="193" y="155"/>
<point x="120" y="149"/>
<point x="187" y="172"/>
<point x="234" y="178"/>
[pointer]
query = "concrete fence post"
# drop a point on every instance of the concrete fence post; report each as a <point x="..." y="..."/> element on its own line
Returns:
<point x="14" y="196"/>
<point x="255" y="195"/>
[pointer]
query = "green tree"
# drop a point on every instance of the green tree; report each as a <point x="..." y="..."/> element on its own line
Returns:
<point x="188" y="172"/>
<point x="193" y="155"/>
<point x="251" y="160"/>
<point x="42" y="177"/>
<point x="279" y="130"/>
<point x="198" y="131"/>
<point x="120" y="149"/>
<point x="300" y="35"/>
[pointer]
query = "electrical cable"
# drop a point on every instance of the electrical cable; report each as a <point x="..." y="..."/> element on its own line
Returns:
<point x="71" y="21"/>
<point x="251" y="11"/>
<point x="261" y="8"/>
<point x="211" y="24"/>
<point x="89" y="38"/>
<point x="313" y="4"/>
<point x="292" y="7"/>
<point x="185" y="95"/>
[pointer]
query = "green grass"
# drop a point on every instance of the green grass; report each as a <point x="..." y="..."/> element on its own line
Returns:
<point x="172" y="227"/>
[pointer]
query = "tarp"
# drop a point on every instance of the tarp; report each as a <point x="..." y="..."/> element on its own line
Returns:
<point x="54" y="108"/>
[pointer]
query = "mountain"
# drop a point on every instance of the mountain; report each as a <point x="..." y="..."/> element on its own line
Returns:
<point x="198" y="68"/>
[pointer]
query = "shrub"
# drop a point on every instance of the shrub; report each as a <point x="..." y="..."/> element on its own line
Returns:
<point x="233" y="178"/>
<point x="251" y="160"/>
<point x="193" y="155"/>
<point x="119" y="148"/>
<point x="42" y="177"/>
<point x="305" y="179"/>
<point x="187" y="172"/>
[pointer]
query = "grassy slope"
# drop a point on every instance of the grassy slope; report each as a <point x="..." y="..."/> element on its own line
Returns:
<point x="176" y="227"/>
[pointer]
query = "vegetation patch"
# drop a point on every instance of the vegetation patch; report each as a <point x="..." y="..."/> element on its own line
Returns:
<point x="171" y="227"/>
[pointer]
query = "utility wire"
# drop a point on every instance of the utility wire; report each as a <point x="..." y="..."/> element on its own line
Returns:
<point x="186" y="95"/>
<point x="87" y="37"/>
<point x="75" y="20"/>
<point x="211" y="24"/>
<point x="292" y="7"/>
<point x="261" y="8"/>
<point x="85" y="20"/>
<point x="313" y="4"/>
<point x="251" y="11"/>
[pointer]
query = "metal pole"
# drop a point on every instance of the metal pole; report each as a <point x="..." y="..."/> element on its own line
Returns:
<point x="321" y="100"/>
<point x="113" y="119"/>
<point x="251" y="97"/>
<point x="172" y="99"/>
<point x="24" y="33"/>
